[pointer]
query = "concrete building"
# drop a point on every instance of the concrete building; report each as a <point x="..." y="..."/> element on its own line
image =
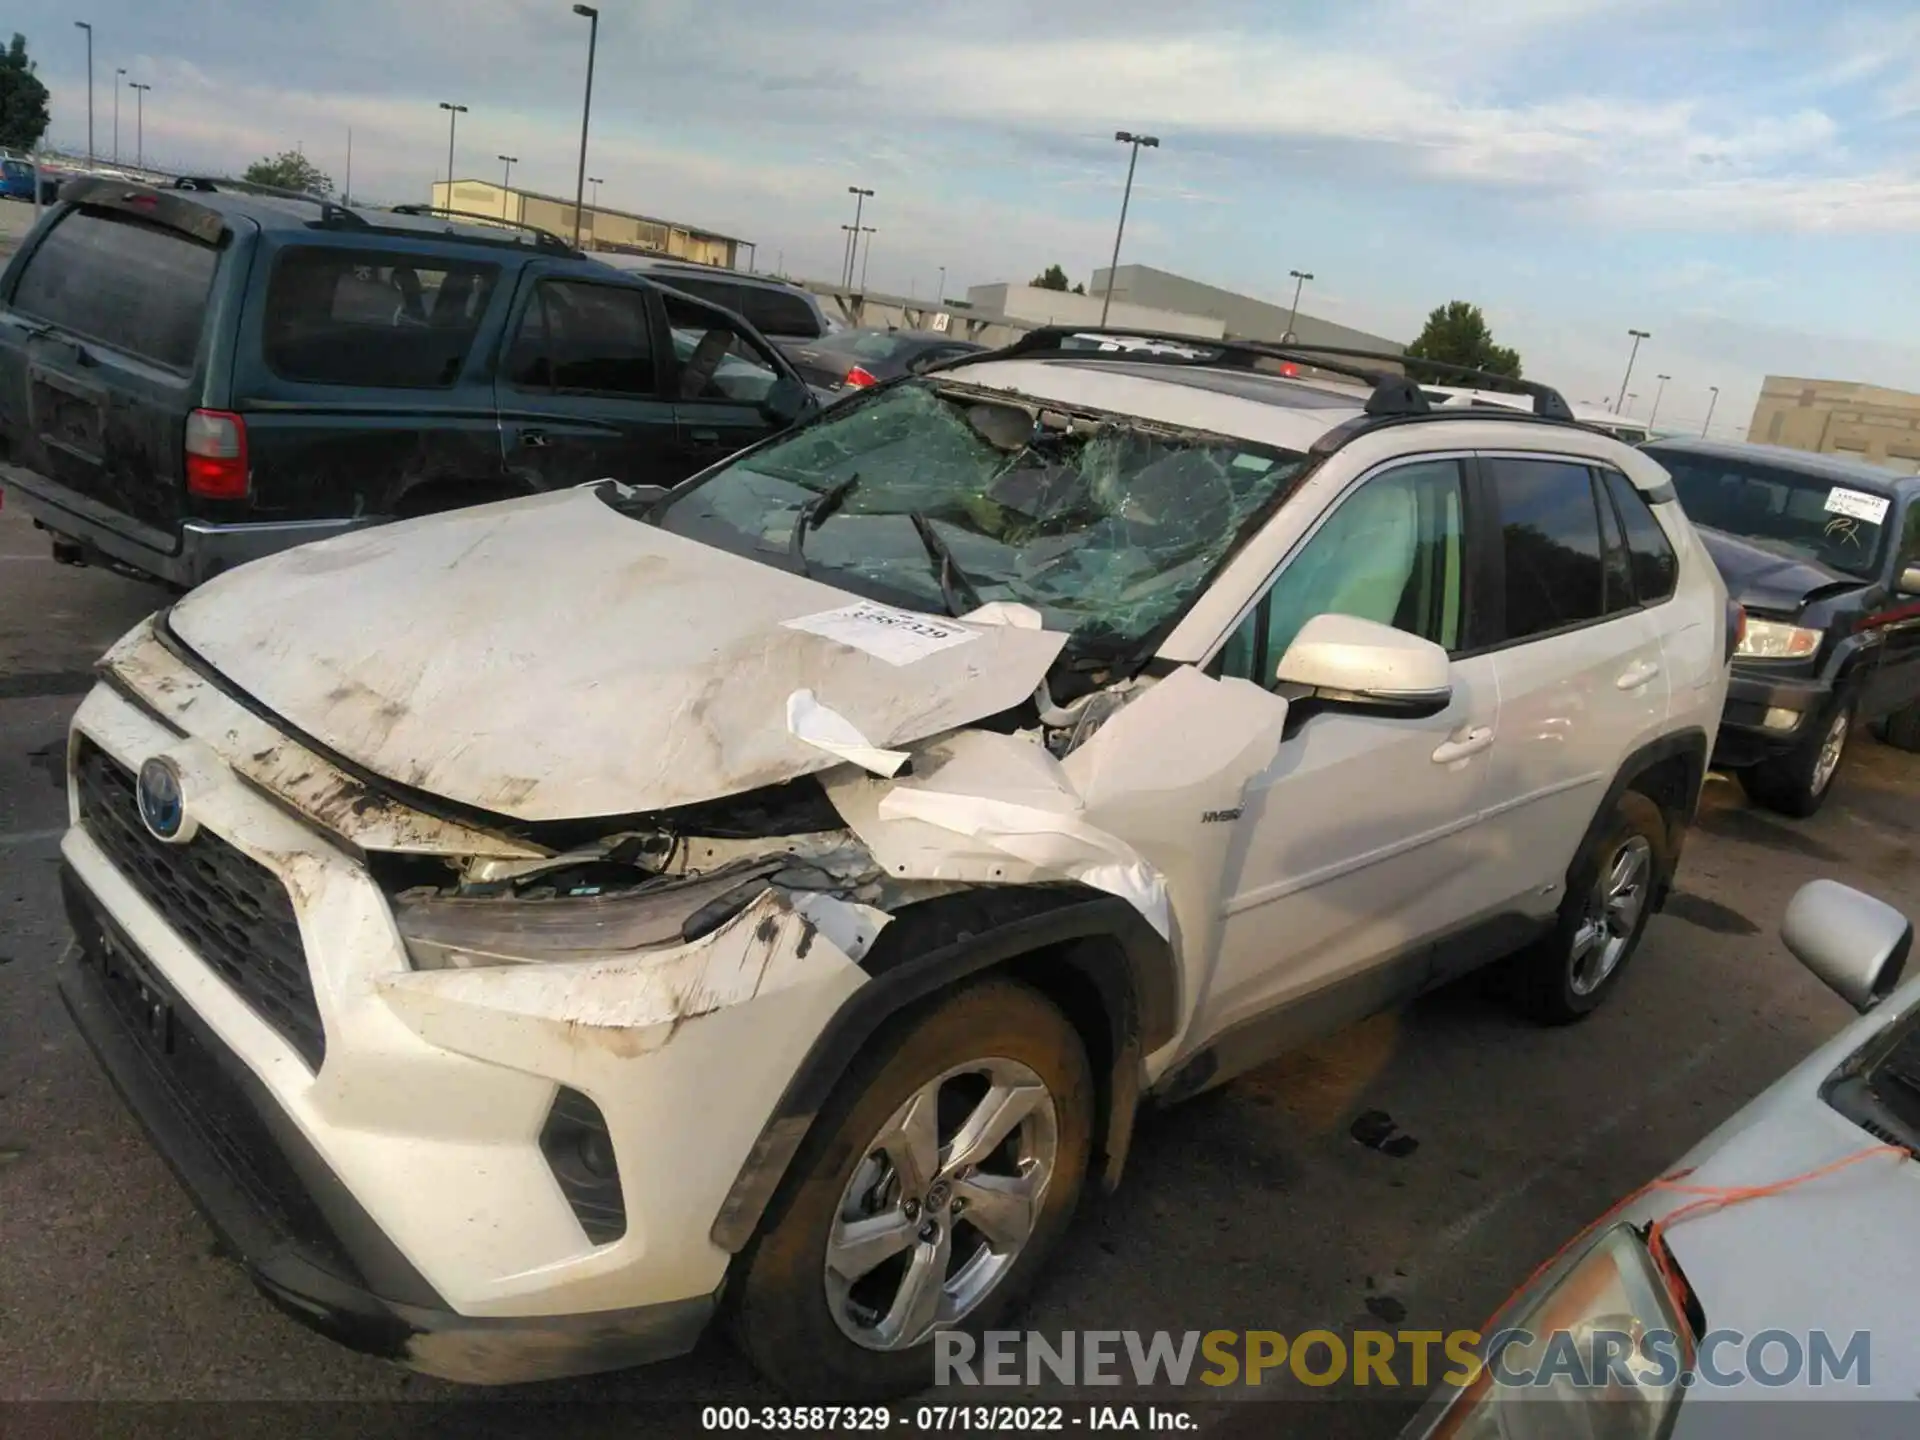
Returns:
<point x="601" y="228"/>
<point x="1060" y="307"/>
<point x="1244" y="317"/>
<point x="1840" y="417"/>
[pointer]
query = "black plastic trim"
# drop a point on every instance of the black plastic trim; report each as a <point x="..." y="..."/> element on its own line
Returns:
<point x="579" y="1150"/>
<point x="1140" y="998"/>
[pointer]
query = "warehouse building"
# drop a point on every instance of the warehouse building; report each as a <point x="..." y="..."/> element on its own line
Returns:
<point x="1242" y="316"/>
<point x="600" y="228"/>
<point x="1840" y="417"/>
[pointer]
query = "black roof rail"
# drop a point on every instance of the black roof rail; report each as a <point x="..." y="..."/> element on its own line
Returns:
<point x="331" y="211"/>
<point x="545" y="239"/>
<point x="1394" y="395"/>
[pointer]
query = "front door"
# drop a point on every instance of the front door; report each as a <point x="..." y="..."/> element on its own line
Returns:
<point x="1895" y="679"/>
<point x="721" y="376"/>
<point x="1360" y="845"/>
<point x="580" y="391"/>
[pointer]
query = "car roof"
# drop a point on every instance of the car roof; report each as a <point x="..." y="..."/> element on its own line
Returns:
<point x="1807" y="462"/>
<point x="614" y="260"/>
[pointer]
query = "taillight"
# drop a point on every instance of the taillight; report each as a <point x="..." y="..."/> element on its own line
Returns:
<point x="1289" y="370"/>
<point x="216" y="455"/>
<point x="860" y="376"/>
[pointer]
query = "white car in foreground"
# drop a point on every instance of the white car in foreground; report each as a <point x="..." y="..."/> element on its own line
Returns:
<point x="533" y="929"/>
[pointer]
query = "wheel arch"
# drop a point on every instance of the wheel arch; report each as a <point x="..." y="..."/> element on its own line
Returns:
<point x="414" y="498"/>
<point x="1094" y="956"/>
<point x="1671" y="772"/>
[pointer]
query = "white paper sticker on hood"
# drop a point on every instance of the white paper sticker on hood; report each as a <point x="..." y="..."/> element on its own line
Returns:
<point x="898" y="637"/>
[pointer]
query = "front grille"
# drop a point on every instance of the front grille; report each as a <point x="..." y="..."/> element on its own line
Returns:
<point x="233" y="912"/>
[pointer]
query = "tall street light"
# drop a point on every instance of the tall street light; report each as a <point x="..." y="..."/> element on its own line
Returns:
<point x="506" y="181"/>
<point x="1659" y="390"/>
<point x="940" y="292"/>
<point x="860" y="198"/>
<point x="846" y="255"/>
<point x="1638" y="336"/>
<point x="1133" y="158"/>
<point x="454" y="112"/>
<point x="586" y="114"/>
<point x="1300" y="277"/>
<point x="596" y="182"/>
<point x="1715" y="400"/>
<point x="83" y="25"/>
<point x="118" y="75"/>
<point x="868" y="258"/>
<point x="139" y="123"/>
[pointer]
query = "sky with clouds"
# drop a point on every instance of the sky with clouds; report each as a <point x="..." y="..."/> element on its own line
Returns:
<point x="1739" y="177"/>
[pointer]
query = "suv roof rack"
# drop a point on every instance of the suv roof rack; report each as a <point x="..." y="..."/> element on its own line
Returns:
<point x="545" y="239"/>
<point x="331" y="211"/>
<point x="1394" y="397"/>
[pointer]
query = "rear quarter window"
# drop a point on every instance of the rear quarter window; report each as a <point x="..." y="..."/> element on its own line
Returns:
<point x="775" y="312"/>
<point x="351" y="317"/>
<point x="122" y="282"/>
<point x="1656" y="569"/>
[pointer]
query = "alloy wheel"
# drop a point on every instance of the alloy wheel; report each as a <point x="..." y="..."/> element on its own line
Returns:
<point x="1831" y="748"/>
<point x="1613" y="914"/>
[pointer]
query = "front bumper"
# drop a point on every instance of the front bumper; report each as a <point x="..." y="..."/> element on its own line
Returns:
<point x="196" y="552"/>
<point x="305" y="1242"/>
<point x="391" y="1188"/>
<point x="1746" y="737"/>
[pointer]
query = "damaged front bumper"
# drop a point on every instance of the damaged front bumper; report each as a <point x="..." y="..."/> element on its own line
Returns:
<point x="400" y="1190"/>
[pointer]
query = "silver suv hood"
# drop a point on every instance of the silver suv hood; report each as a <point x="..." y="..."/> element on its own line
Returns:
<point x="551" y="659"/>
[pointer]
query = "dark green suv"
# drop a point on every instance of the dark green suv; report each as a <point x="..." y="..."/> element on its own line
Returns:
<point x="191" y="378"/>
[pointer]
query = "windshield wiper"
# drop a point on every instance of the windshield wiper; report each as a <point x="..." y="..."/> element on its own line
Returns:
<point x="813" y="514"/>
<point x="954" y="584"/>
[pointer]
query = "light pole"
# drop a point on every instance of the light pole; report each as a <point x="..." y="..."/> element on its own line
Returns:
<point x="119" y="74"/>
<point x="1638" y="336"/>
<point x="586" y="114"/>
<point x="846" y="256"/>
<point x="83" y="25"/>
<point x="1659" y="390"/>
<point x="867" y="259"/>
<point x="1133" y="158"/>
<point x="1300" y="278"/>
<point x="454" y="112"/>
<point x="860" y="198"/>
<point x="139" y="123"/>
<point x="596" y="182"/>
<point x="1713" y="401"/>
<point x="506" y="181"/>
<point x="940" y="292"/>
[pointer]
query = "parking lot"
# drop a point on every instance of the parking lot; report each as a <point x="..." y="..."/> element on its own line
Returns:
<point x="1258" y="1206"/>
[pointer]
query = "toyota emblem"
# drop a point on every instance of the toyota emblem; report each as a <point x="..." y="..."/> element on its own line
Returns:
<point x="163" y="808"/>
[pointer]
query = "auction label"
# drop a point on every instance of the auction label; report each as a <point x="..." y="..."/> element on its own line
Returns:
<point x="1858" y="505"/>
<point x="898" y="637"/>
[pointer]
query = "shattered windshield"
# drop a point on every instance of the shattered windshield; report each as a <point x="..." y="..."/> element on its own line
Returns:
<point x="1104" y="525"/>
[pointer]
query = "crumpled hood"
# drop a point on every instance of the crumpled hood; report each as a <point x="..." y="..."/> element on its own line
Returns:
<point x="1765" y="581"/>
<point x="551" y="659"/>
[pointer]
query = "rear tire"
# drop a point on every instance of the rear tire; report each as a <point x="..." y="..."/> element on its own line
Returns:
<point x="871" y="1182"/>
<point x="1797" y="783"/>
<point x="1902" y="728"/>
<point x="1566" y="974"/>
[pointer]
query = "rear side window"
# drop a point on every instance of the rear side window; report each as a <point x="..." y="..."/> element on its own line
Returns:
<point x="775" y="312"/>
<point x="1550" y="540"/>
<point x="130" y="285"/>
<point x="1656" y="569"/>
<point x="714" y="292"/>
<point x="347" y="317"/>
<point x="595" y="338"/>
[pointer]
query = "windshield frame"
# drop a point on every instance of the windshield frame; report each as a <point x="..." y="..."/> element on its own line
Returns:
<point x="1776" y="473"/>
<point x="1127" y="658"/>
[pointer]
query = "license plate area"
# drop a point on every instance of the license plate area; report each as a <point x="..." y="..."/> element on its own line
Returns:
<point x="67" y="420"/>
<point x="137" y="994"/>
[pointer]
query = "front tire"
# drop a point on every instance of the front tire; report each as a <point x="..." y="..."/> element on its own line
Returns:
<point x="1609" y="899"/>
<point x="1901" y="729"/>
<point x="1797" y="783"/>
<point x="928" y="1196"/>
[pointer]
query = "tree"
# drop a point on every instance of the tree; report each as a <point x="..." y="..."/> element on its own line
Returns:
<point x="1079" y="289"/>
<point x="1457" y="334"/>
<point x="1051" y="278"/>
<point x="289" y="170"/>
<point x="23" y="99"/>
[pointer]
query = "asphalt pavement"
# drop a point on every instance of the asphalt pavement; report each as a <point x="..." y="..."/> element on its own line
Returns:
<point x="1487" y="1141"/>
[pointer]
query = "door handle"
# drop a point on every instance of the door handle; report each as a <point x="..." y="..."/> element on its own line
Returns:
<point x="1637" y="674"/>
<point x="534" y="439"/>
<point x="705" y="437"/>
<point x="1463" y="743"/>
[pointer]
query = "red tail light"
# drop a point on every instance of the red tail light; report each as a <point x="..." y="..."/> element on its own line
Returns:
<point x="1289" y="369"/>
<point x="216" y="455"/>
<point x="859" y="376"/>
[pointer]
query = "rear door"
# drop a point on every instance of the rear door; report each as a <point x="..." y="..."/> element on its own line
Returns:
<point x="104" y="351"/>
<point x="1895" y="681"/>
<point x="580" y="387"/>
<point x="1578" y="662"/>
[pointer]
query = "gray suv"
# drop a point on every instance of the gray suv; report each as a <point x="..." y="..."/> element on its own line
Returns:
<point x="785" y="314"/>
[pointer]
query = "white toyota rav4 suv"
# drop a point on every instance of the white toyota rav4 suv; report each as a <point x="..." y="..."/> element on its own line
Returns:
<point x="534" y="930"/>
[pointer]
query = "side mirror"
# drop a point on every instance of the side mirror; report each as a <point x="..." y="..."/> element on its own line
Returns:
<point x="1910" y="580"/>
<point x="1855" y="943"/>
<point x="787" y="402"/>
<point x="1349" y="661"/>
